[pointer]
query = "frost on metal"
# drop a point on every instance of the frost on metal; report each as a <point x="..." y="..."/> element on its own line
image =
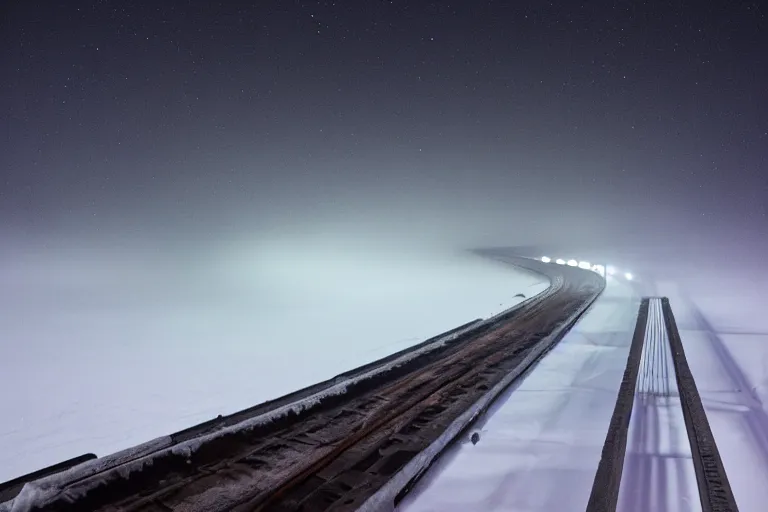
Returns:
<point x="40" y="492"/>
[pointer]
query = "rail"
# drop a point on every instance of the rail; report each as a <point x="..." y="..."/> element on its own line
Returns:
<point x="715" y="492"/>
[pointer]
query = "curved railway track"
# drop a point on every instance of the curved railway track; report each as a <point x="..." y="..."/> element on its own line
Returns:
<point x="328" y="450"/>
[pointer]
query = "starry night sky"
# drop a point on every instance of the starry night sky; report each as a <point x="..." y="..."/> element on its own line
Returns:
<point x="499" y="119"/>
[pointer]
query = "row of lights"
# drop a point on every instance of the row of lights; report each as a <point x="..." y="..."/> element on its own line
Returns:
<point x="600" y="269"/>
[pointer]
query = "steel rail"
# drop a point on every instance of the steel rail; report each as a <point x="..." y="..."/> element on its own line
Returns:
<point x="715" y="493"/>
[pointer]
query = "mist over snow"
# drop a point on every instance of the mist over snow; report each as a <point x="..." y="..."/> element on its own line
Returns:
<point x="109" y="342"/>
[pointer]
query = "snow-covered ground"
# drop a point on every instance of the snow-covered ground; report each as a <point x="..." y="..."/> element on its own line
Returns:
<point x="539" y="447"/>
<point x="104" y="346"/>
<point x="540" y="444"/>
<point x="724" y="330"/>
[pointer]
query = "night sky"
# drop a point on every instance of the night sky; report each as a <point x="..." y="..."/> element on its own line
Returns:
<point x="498" y="120"/>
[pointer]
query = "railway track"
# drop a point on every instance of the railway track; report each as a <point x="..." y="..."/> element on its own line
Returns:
<point x="657" y="329"/>
<point x="330" y="450"/>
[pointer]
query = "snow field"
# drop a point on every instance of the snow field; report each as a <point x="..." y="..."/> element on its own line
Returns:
<point x="101" y="349"/>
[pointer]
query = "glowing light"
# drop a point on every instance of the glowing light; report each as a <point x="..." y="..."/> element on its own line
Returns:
<point x="585" y="265"/>
<point x="560" y="261"/>
<point x="546" y="259"/>
<point x="599" y="269"/>
<point x="628" y="276"/>
<point x="573" y="263"/>
<point x="610" y="270"/>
